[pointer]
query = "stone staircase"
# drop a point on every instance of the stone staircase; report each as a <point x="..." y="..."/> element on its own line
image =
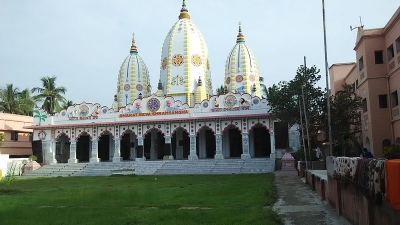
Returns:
<point x="167" y="167"/>
<point x="57" y="170"/>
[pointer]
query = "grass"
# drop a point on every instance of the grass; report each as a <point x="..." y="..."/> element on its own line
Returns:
<point x="191" y="199"/>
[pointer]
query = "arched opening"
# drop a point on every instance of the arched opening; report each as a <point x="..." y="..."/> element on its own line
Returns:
<point x="386" y="143"/>
<point x="83" y="148"/>
<point x="260" y="142"/>
<point x="398" y="141"/>
<point x="104" y="146"/>
<point x="205" y="143"/>
<point x="180" y="144"/>
<point x="154" y="145"/>
<point x="232" y="142"/>
<point x="128" y="146"/>
<point x="62" y="148"/>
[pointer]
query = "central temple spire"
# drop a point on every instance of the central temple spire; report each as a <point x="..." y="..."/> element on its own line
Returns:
<point x="133" y="46"/>
<point x="184" y="12"/>
<point x="240" y="37"/>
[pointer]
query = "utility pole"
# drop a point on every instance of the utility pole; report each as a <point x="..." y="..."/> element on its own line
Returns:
<point x="328" y="104"/>
<point x="302" y="133"/>
<point x="305" y="110"/>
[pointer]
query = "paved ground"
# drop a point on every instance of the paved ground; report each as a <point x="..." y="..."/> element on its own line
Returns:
<point x="298" y="204"/>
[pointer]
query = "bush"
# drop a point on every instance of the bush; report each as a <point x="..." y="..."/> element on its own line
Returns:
<point x="299" y="155"/>
<point x="32" y="158"/>
<point x="392" y="151"/>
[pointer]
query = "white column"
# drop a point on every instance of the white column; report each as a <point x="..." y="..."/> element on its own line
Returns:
<point x="168" y="145"/>
<point x="72" y="152"/>
<point x="117" y="152"/>
<point x="272" y="138"/>
<point x="94" y="156"/>
<point x="218" y="147"/>
<point x="52" y="153"/>
<point x="141" y="147"/>
<point x="245" y="146"/>
<point x="192" y="155"/>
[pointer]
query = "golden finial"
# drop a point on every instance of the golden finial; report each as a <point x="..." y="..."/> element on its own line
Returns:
<point x="133" y="46"/>
<point x="199" y="82"/>
<point x="184" y="12"/>
<point x="240" y="37"/>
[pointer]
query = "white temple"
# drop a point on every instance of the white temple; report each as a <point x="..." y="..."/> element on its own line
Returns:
<point x="181" y="120"/>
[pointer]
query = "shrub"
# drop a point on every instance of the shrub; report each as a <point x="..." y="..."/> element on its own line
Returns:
<point x="32" y="158"/>
<point x="392" y="151"/>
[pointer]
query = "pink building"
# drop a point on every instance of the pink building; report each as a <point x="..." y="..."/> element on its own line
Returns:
<point x="376" y="78"/>
<point x="17" y="140"/>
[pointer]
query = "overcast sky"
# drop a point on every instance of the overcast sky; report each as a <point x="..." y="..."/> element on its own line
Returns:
<point x="84" y="42"/>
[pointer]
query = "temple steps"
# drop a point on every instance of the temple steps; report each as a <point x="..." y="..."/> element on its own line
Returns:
<point x="166" y="167"/>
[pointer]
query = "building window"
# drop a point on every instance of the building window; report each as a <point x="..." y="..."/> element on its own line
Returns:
<point x="398" y="44"/>
<point x="394" y="99"/>
<point x="357" y="84"/>
<point x="361" y="63"/>
<point x="364" y="105"/>
<point x="390" y="52"/>
<point x="379" y="57"/>
<point x="14" y="135"/>
<point x="383" y="101"/>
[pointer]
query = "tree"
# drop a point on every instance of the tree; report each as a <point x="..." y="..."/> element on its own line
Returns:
<point x="220" y="90"/>
<point x="26" y="102"/>
<point x="1" y="139"/>
<point x="346" y="127"/>
<point x="50" y="95"/>
<point x="284" y="100"/>
<point x="9" y="99"/>
<point x="67" y="104"/>
<point x="264" y="90"/>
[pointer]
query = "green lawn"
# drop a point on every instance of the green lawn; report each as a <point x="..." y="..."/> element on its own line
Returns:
<point x="189" y="199"/>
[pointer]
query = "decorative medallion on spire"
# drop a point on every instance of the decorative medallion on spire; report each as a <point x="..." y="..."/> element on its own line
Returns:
<point x="184" y="12"/>
<point x="240" y="37"/>
<point x="133" y="46"/>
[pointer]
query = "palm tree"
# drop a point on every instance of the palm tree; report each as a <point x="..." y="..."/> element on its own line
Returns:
<point x="26" y="102"/>
<point x="50" y="94"/>
<point x="9" y="97"/>
<point x="67" y="104"/>
<point x="220" y="90"/>
<point x="264" y="90"/>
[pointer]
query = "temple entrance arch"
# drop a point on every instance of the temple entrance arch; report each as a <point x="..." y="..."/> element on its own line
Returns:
<point x="128" y="146"/>
<point x="105" y="142"/>
<point x="62" y="148"/>
<point x="154" y="145"/>
<point x="205" y="143"/>
<point x="259" y="142"/>
<point x="232" y="146"/>
<point x="83" y="148"/>
<point x="180" y="143"/>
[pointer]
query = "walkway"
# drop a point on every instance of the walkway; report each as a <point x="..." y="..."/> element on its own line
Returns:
<point x="298" y="204"/>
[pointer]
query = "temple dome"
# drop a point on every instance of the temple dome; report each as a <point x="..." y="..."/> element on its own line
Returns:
<point x="241" y="70"/>
<point x="184" y="59"/>
<point x="133" y="78"/>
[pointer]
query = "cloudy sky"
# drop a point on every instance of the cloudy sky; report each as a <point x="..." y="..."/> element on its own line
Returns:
<point x="84" y="42"/>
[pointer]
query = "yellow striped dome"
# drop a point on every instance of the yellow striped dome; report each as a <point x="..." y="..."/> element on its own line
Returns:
<point x="241" y="70"/>
<point x="184" y="59"/>
<point x="133" y="78"/>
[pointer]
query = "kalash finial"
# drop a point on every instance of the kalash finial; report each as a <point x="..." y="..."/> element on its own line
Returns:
<point x="159" y="87"/>
<point x="199" y="82"/>
<point x="240" y="37"/>
<point x="184" y="12"/>
<point x="133" y="46"/>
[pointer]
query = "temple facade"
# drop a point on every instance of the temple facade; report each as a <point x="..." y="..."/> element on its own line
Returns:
<point x="182" y="120"/>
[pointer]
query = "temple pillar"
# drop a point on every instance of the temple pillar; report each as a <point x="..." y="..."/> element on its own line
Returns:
<point x="140" y="148"/>
<point x="168" y="149"/>
<point x="245" y="146"/>
<point x="192" y="155"/>
<point x="117" y="151"/>
<point x="94" y="156"/>
<point x="72" y="152"/>
<point x="218" y="147"/>
<point x="272" y="138"/>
